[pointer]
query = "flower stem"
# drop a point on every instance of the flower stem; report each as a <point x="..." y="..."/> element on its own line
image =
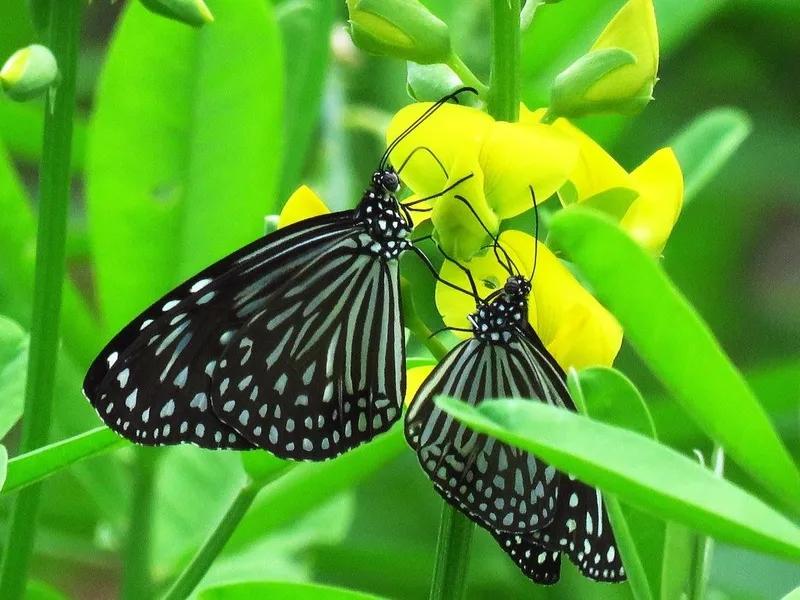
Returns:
<point x="205" y="557"/>
<point x="136" y="579"/>
<point x="505" y="85"/>
<point x="466" y="75"/>
<point x="65" y="20"/>
<point x="452" y="555"/>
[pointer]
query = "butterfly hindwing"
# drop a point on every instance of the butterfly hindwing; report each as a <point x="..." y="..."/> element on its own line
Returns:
<point x="152" y="382"/>
<point x="499" y="486"/>
<point x="320" y="370"/>
<point x="537" y="563"/>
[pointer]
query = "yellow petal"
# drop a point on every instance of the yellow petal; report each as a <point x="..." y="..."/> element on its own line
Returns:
<point x="303" y="204"/>
<point x="460" y="232"/>
<point x="557" y="299"/>
<point x="652" y="216"/>
<point x="414" y="379"/>
<point x="515" y="156"/>
<point x="450" y="131"/>
<point x="634" y="29"/>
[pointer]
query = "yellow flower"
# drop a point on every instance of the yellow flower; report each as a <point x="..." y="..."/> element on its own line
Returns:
<point x="646" y="202"/>
<point x="573" y="326"/>
<point x="501" y="161"/>
<point x="303" y="204"/>
<point x="620" y="70"/>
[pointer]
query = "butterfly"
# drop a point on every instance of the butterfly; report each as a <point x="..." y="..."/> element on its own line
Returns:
<point x="293" y="344"/>
<point x="534" y="511"/>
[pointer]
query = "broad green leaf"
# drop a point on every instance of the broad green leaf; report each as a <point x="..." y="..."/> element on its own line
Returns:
<point x="275" y="590"/>
<point x="677" y="346"/>
<point x="305" y="29"/>
<point x="37" y="590"/>
<point x="22" y="128"/>
<point x="185" y="145"/>
<point x="13" y="370"/>
<point x="282" y="590"/>
<point x="606" y="395"/>
<point x="308" y="485"/>
<point x="793" y="595"/>
<point x="638" y="470"/>
<point x="36" y="465"/>
<point x="707" y="143"/>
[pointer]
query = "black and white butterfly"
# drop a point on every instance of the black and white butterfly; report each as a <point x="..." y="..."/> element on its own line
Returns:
<point x="293" y="344"/>
<point x="533" y="510"/>
<point x="580" y="529"/>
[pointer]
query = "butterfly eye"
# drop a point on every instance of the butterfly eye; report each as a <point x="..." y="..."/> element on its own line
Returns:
<point x="390" y="181"/>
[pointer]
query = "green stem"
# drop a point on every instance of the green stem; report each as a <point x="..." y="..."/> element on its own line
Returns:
<point x="704" y="545"/>
<point x="136" y="579"/>
<point x="455" y="530"/>
<point x="203" y="560"/>
<point x="452" y="555"/>
<point x="505" y="84"/>
<point x="65" y="20"/>
<point x="464" y="73"/>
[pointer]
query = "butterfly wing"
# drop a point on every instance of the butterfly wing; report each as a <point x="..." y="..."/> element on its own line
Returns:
<point x="497" y="485"/>
<point x="321" y="369"/>
<point x="539" y="564"/>
<point x="151" y="383"/>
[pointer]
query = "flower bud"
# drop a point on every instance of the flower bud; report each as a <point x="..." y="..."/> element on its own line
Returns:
<point x="29" y="73"/>
<point x="191" y="12"/>
<point x="620" y="70"/>
<point x="402" y="29"/>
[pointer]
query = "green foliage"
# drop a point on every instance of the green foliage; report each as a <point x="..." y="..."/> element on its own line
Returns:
<point x="659" y="480"/>
<point x="184" y="139"/>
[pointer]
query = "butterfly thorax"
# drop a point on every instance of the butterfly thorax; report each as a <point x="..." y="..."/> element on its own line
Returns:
<point x="386" y="227"/>
<point x="504" y="311"/>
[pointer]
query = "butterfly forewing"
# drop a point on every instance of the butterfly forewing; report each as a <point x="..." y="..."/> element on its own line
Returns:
<point x="497" y="485"/>
<point x="320" y="371"/>
<point x="152" y="382"/>
<point x="539" y="564"/>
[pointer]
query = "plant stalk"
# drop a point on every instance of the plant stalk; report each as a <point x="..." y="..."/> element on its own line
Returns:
<point x="63" y="38"/>
<point x="201" y="563"/>
<point x="452" y="555"/>
<point x="136" y="577"/>
<point x="504" y="76"/>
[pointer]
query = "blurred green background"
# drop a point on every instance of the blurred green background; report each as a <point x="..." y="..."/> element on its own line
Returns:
<point x="735" y="253"/>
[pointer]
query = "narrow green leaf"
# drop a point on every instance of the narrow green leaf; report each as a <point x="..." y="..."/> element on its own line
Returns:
<point x="203" y="111"/>
<point x="13" y="369"/>
<point x="638" y="470"/>
<point x="278" y="590"/>
<point x="305" y="28"/>
<point x="606" y="395"/>
<point x="706" y="144"/>
<point x="34" y="466"/>
<point x="3" y="466"/>
<point x="677" y="346"/>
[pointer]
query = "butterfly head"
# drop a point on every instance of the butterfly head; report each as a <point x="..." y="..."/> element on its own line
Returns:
<point x="386" y="181"/>
<point x="517" y="288"/>
<point x="504" y="310"/>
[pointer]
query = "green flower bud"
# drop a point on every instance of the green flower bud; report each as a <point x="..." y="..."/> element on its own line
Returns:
<point x="29" y="73"/>
<point x="619" y="72"/>
<point x="402" y="29"/>
<point x="191" y="12"/>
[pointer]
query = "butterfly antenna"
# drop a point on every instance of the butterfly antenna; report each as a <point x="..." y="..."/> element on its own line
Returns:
<point x="535" y="230"/>
<point x="432" y="109"/>
<point x="429" y="151"/>
<point x="509" y="265"/>
<point x="450" y="187"/>
<point x="427" y="262"/>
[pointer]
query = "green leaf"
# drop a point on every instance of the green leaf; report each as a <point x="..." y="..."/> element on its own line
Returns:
<point x="13" y="370"/>
<point x="3" y="466"/>
<point x="277" y="590"/>
<point x="34" y="466"/>
<point x="37" y="590"/>
<point x="185" y="149"/>
<point x="677" y="346"/>
<point x="305" y="29"/>
<point x="606" y="395"/>
<point x="308" y="485"/>
<point x="793" y="595"/>
<point x="428" y="83"/>
<point x="706" y="144"/>
<point x="639" y="470"/>
<point x="679" y="548"/>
